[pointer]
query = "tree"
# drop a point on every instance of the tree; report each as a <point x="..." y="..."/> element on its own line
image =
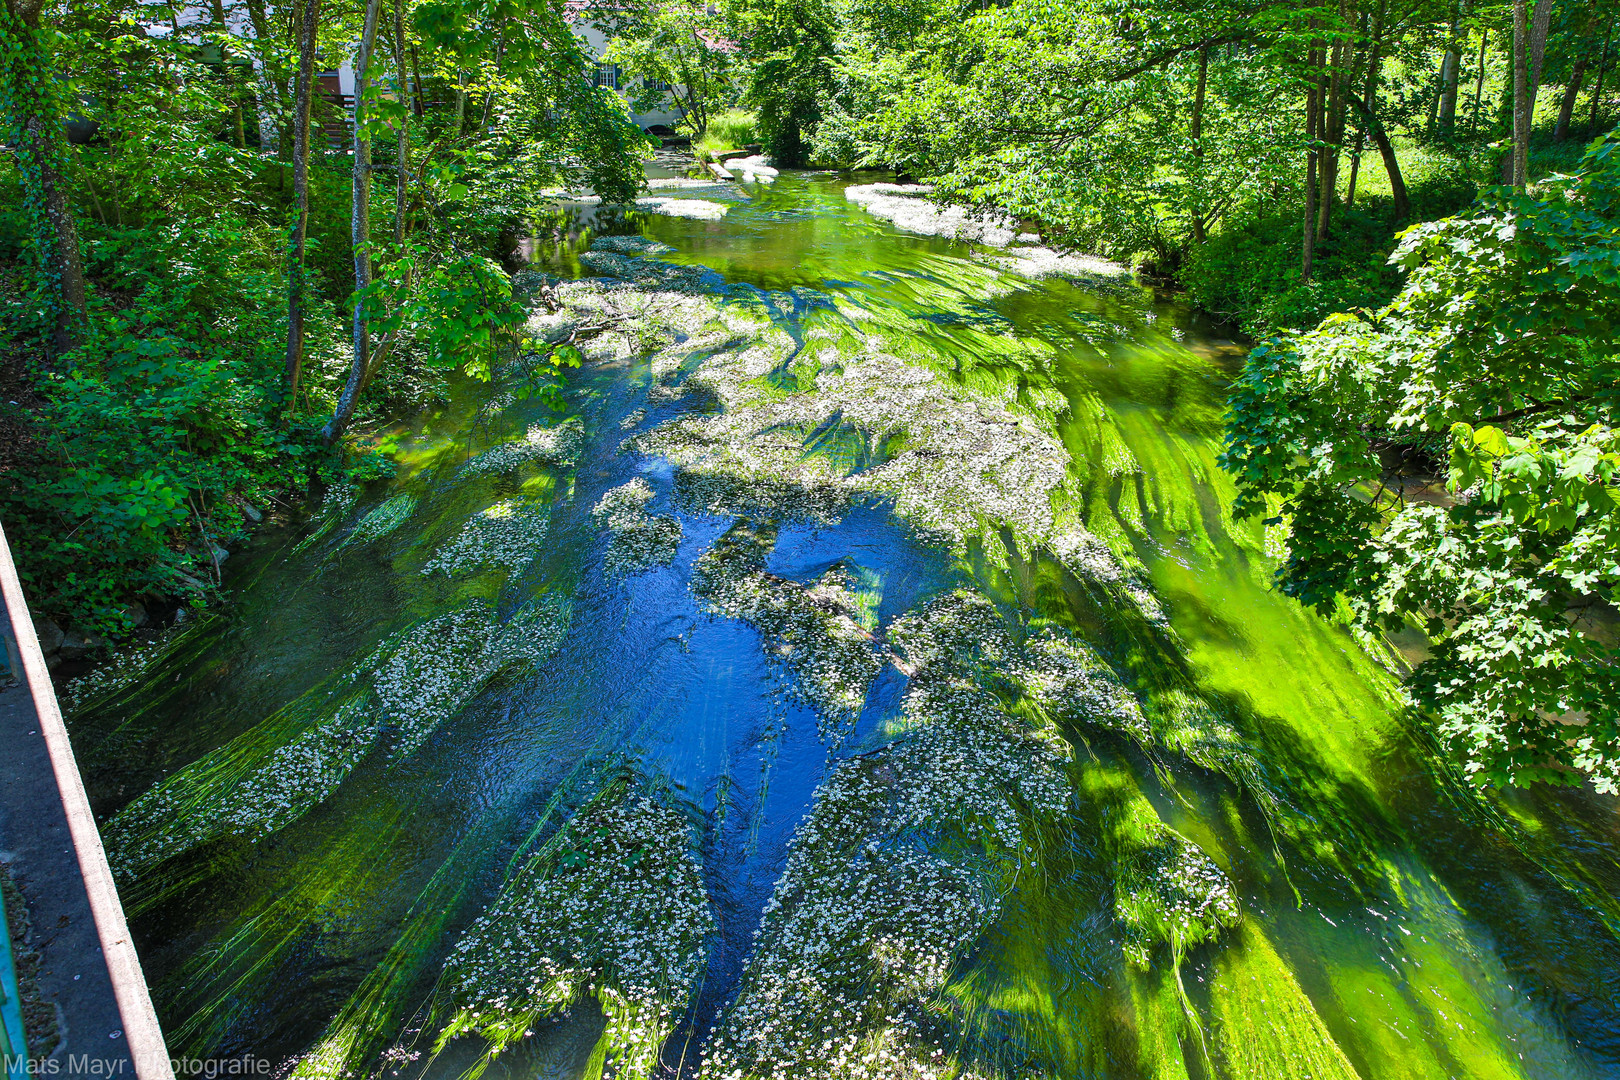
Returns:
<point x="792" y="45"/>
<point x="297" y="301"/>
<point x="31" y="110"/>
<point x="1496" y="365"/>
<point x="679" y="49"/>
<point x="359" y="228"/>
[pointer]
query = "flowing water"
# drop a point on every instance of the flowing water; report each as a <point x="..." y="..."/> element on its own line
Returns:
<point x="860" y="674"/>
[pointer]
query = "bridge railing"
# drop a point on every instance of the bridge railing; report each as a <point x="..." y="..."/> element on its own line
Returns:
<point x="13" y="1043"/>
<point x="141" y="1034"/>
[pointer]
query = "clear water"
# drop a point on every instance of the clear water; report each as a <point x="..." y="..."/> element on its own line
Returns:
<point x="1393" y="923"/>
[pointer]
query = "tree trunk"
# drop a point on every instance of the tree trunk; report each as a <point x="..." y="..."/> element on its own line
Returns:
<point x="1597" y="87"/>
<point x="1521" y="96"/>
<point x="271" y="106"/>
<point x="1375" y="60"/>
<point x="359" y="234"/>
<point x="1195" y="132"/>
<point x="417" y="104"/>
<point x="1540" y="20"/>
<point x="300" y="239"/>
<point x="1479" y="83"/>
<point x="1313" y="110"/>
<point x="42" y="163"/>
<point x="1566" y="108"/>
<point x="402" y="135"/>
<point x="1392" y="164"/>
<point x="1332" y="125"/>
<point x="461" y="101"/>
<point x="1450" y="77"/>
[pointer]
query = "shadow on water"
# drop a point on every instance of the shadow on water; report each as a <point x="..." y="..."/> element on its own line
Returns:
<point x="1394" y="923"/>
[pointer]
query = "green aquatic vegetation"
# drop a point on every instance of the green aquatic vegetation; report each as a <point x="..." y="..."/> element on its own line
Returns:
<point x="541" y="444"/>
<point x="964" y="462"/>
<point x="432" y="673"/>
<point x="631" y="245"/>
<point x="1166" y="890"/>
<point x="640" y="540"/>
<point x="903" y="862"/>
<point x="507" y="535"/>
<point x="1265" y="1026"/>
<point x="379" y="522"/>
<point x="815" y="632"/>
<point x="613" y="906"/>
<point x="249" y="788"/>
<point x="1058" y="677"/>
<point x="131" y="666"/>
<point x="274" y="774"/>
<point x="335" y="505"/>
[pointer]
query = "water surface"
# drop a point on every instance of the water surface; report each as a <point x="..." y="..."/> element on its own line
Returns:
<point x="1392" y="923"/>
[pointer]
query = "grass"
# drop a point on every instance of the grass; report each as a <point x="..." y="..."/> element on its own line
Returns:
<point x="730" y="130"/>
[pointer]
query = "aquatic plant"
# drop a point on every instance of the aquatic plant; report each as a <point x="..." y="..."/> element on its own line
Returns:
<point x="907" y="206"/>
<point x="613" y="906"/>
<point x="640" y="540"/>
<point x="639" y="245"/>
<point x="247" y="789"/>
<point x="541" y="444"/>
<point x="815" y="632"/>
<point x="506" y="535"/>
<point x="128" y="666"/>
<point x="698" y="209"/>
<point x="379" y="522"/>
<point x="278" y="771"/>
<point x="901" y="865"/>
<point x="335" y="503"/>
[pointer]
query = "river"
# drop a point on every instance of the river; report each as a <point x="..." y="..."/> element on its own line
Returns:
<point x="858" y="673"/>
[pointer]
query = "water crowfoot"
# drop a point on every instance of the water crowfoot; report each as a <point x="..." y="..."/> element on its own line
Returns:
<point x="381" y="521"/>
<point x="815" y="633"/>
<point x="900" y="867"/>
<point x="248" y="788"/>
<point x="640" y="540"/>
<point x="507" y="536"/>
<point x="613" y="905"/>
<point x="558" y="445"/>
<point x="277" y="772"/>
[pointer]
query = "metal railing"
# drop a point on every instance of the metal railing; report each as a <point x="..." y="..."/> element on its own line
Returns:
<point x="142" y="1036"/>
<point x="13" y="1044"/>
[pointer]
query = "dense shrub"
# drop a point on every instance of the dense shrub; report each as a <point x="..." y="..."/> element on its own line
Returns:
<point x="165" y="421"/>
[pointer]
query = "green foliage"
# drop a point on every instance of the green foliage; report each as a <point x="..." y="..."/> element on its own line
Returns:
<point x="730" y="130"/>
<point x="1500" y="352"/>
<point x="792" y="46"/>
<point x="171" y="414"/>
<point x="161" y="424"/>
<point x="682" y="46"/>
<point x="457" y="312"/>
<point x="31" y="95"/>
<point x="1249" y="272"/>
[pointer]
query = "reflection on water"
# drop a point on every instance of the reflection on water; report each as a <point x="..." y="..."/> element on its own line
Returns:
<point x="1392" y="924"/>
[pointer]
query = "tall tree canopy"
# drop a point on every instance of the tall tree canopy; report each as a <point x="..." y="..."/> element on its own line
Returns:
<point x="226" y="263"/>
<point x="1498" y="360"/>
